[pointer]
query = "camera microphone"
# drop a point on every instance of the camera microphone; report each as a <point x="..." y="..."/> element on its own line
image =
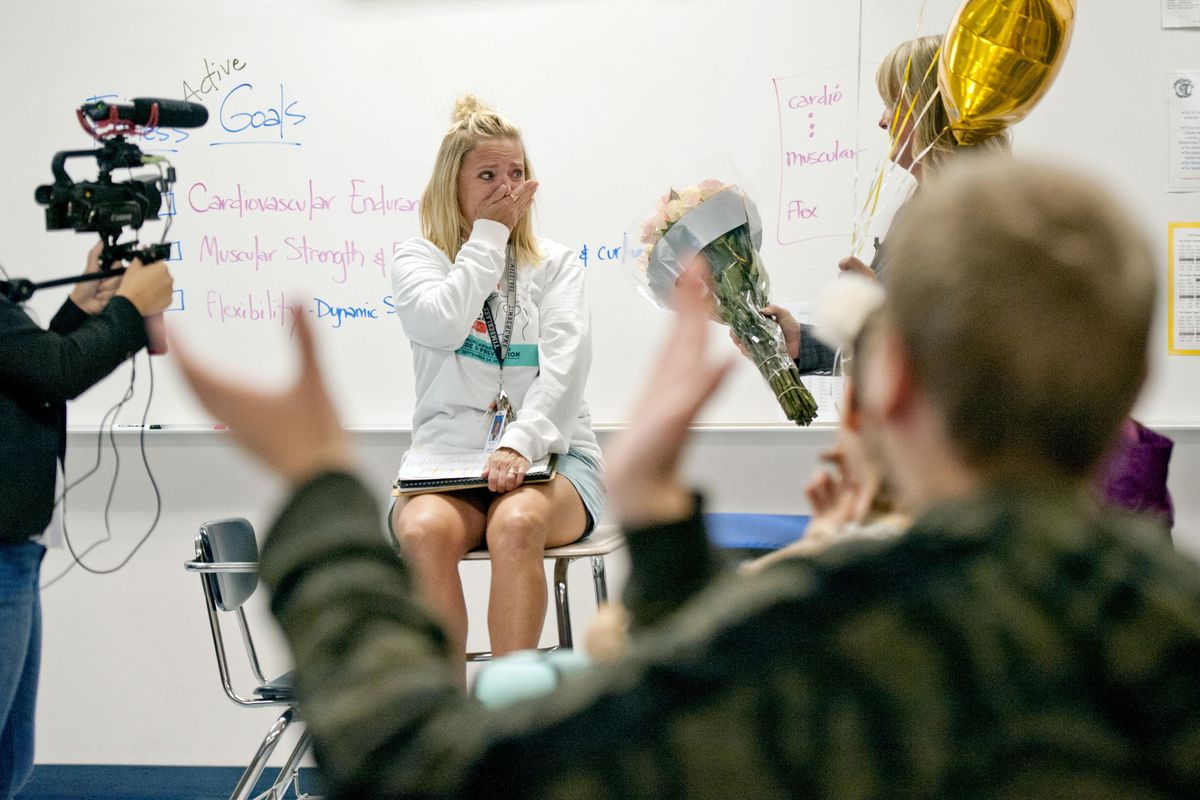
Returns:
<point x="171" y="113"/>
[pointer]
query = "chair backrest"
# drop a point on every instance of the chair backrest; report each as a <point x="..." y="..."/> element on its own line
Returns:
<point x="229" y="540"/>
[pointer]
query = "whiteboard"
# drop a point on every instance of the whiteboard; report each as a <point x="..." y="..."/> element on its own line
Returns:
<point x="617" y="100"/>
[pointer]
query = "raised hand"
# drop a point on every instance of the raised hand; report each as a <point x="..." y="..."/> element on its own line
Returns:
<point x="295" y="432"/>
<point x="643" y="463"/>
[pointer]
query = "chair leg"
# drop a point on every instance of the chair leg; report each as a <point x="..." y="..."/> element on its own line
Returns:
<point x="245" y="784"/>
<point x="300" y="793"/>
<point x="562" y="604"/>
<point x="289" y="773"/>
<point x="599" y="579"/>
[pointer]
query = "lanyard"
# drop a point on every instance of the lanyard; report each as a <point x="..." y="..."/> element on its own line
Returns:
<point x="500" y="347"/>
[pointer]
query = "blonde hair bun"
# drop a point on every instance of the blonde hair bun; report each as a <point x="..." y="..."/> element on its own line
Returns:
<point x="467" y="105"/>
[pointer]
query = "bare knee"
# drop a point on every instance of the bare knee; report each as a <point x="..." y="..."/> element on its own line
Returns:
<point x="430" y="537"/>
<point x="517" y="534"/>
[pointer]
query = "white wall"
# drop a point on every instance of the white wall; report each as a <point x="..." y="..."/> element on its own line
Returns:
<point x="128" y="675"/>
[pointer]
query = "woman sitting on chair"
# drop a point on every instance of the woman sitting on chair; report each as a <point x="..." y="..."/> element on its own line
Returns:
<point x="500" y="329"/>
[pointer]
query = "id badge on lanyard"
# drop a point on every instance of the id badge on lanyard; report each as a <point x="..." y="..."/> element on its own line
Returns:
<point x="501" y="409"/>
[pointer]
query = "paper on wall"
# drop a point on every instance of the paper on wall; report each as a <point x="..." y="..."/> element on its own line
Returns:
<point x="827" y="391"/>
<point x="1183" y="249"/>
<point x="1183" y="130"/>
<point x="1181" y="13"/>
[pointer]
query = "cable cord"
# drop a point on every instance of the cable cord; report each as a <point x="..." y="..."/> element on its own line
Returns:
<point x="106" y="425"/>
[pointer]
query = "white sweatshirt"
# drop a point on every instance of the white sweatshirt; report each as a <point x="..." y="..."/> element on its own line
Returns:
<point x="440" y="306"/>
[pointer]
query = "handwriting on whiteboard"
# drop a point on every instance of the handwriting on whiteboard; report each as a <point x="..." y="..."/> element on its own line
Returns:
<point x="817" y="155"/>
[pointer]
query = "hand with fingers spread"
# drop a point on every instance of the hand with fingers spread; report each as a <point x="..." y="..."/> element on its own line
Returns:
<point x="643" y="463"/>
<point x="295" y="432"/>
<point x="505" y="470"/>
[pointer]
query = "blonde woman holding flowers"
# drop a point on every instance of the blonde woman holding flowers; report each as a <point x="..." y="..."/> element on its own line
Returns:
<point x="498" y="321"/>
<point x="922" y="145"/>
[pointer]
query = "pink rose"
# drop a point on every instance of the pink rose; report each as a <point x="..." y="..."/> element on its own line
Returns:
<point x="648" y="229"/>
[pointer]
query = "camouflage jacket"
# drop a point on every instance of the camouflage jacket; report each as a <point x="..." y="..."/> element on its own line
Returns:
<point x="1010" y="646"/>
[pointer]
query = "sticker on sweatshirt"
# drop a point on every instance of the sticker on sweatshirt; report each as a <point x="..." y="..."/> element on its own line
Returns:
<point x="521" y="320"/>
<point x="519" y="354"/>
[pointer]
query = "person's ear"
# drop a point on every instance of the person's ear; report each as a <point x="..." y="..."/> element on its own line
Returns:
<point x="851" y="411"/>
<point x="890" y="388"/>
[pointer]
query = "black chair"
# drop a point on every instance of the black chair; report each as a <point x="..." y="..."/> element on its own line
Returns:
<point x="227" y="562"/>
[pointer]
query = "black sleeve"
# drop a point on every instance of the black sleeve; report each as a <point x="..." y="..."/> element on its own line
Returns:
<point x="68" y="318"/>
<point x="815" y="355"/>
<point x="669" y="564"/>
<point x="60" y="364"/>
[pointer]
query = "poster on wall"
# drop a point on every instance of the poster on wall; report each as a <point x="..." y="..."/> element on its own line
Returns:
<point x="1181" y="13"/>
<point x="827" y="390"/>
<point x="1183" y="130"/>
<point x="1183" y="254"/>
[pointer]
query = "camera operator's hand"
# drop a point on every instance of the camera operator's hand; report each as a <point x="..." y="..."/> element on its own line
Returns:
<point x="149" y="287"/>
<point x="93" y="296"/>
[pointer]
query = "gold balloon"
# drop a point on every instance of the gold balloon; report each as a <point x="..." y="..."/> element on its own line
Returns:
<point x="999" y="58"/>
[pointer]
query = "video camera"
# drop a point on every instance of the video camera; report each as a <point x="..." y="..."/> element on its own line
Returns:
<point x="110" y="207"/>
<point x="106" y="206"/>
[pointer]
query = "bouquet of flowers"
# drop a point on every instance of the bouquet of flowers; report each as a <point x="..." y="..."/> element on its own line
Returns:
<point x="717" y="223"/>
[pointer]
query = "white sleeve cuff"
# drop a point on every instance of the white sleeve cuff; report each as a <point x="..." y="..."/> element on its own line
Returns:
<point x="516" y="439"/>
<point x="490" y="232"/>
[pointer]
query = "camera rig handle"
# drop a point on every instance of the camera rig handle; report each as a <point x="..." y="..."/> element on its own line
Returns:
<point x="18" y="290"/>
<point x="113" y="154"/>
<point x="128" y="251"/>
